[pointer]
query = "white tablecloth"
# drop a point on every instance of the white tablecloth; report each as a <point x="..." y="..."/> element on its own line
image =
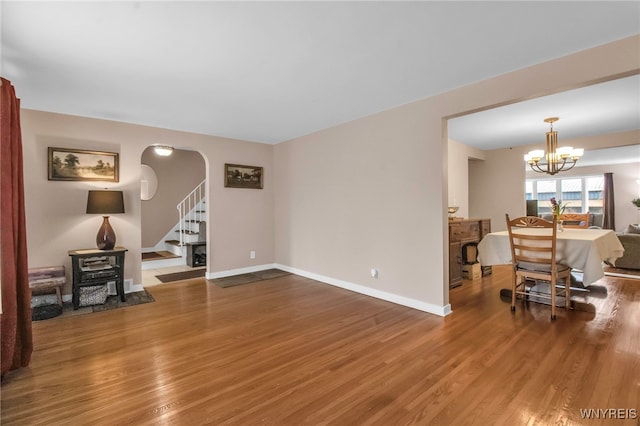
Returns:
<point x="582" y="249"/>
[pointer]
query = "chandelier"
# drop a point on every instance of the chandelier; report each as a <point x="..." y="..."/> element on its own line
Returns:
<point x="555" y="159"/>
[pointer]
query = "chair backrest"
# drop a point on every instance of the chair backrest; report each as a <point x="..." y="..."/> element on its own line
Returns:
<point x="575" y="220"/>
<point x="533" y="241"/>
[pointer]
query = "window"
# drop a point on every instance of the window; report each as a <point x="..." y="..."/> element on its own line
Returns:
<point x="595" y="186"/>
<point x="579" y="194"/>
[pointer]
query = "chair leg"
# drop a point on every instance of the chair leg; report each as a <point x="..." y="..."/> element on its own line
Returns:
<point x="514" y="286"/>
<point x="59" y="295"/>
<point x="553" y="298"/>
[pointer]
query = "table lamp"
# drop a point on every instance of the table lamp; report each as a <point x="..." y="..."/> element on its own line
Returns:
<point x="104" y="203"/>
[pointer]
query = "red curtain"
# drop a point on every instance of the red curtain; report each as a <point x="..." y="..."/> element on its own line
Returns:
<point x="17" y="342"/>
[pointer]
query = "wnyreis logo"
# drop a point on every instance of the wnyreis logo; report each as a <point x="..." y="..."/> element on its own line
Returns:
<point x="608" y="413"/>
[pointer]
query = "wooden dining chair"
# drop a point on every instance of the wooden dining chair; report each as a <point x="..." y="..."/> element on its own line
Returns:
<point x="575" y="220"/>
<point x="533" y="257"/>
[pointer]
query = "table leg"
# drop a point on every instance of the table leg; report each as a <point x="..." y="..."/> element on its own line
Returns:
<point x="120" y="290"/>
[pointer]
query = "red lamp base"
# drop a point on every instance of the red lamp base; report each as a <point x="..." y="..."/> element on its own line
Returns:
<point x="106" y="238"/>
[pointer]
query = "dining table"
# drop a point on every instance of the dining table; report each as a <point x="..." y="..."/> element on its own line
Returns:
<point x="581" y="249"/>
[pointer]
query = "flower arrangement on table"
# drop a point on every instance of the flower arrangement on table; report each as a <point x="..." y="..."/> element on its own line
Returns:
<point x="557" y="208"/>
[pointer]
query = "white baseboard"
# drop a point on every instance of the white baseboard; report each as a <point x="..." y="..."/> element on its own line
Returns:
<point x="129" y="287"/>
<point x="368" y="291"/>
<point x="132" y="288"/>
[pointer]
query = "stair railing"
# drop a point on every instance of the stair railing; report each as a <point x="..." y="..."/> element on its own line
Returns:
<point x="187" y="212"/>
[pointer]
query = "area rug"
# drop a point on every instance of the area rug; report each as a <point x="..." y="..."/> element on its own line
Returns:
<point x="179" y="276"/>
<point x="41" y="313"/>
<point x="249" y="278"/>
<point x="505" y="296"/>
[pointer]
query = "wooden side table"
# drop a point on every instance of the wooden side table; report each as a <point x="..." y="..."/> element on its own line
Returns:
<point x="94" y="267"/>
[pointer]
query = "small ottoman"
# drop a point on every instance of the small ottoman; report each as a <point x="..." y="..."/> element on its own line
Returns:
<point x="47" y="279"/>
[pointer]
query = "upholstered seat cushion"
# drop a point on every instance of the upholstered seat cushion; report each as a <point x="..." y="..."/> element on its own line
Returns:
<point x="537" y="267"/>
<point x="630" y="240"/>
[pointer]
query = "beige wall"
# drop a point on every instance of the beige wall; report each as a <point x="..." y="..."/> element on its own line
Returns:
<point x="240" y="219"/>
<point x="373" y="192"/>
<point x="352" y="198"/>
<point x="459" y="156"/>
<point x="492" y="194"/>
<point x="178" y="174"/>
<point x="626" y="188"/>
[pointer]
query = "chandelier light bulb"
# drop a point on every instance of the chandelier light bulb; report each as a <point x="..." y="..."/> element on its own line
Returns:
<point x="564" y="151"/>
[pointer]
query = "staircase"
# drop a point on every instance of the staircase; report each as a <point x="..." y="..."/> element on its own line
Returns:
<point x="191" y="216"/>
<point x="190" y="228"/>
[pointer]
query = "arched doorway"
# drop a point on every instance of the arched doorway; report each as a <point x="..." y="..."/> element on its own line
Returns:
<point x="173" y="244"/>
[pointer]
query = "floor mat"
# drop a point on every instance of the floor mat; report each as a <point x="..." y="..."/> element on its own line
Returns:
<point x="113" y="302"/>
<point x="249" y="278"/>
<point x="179" y="276"/>
<point x="40" y="313"/>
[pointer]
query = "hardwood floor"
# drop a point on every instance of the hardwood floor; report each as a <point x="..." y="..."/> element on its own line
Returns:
<point x="292" y="351"/>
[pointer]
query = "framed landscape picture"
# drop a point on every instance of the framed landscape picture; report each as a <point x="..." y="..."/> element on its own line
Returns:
<point x="82" y="165"/>
<point x="239" y="176"/>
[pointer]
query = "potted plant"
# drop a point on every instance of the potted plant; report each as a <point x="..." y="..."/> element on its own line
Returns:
<point x="636" y="202"/>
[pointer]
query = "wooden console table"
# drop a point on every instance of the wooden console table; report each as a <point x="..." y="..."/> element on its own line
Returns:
<point x="461" y="232"/>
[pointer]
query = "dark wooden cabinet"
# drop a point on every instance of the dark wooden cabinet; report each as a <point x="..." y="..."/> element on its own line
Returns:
<point x="461" y="232"/>
<point x="94" y="267"/>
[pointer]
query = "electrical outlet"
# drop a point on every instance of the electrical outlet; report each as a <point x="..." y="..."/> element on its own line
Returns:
<point x="252" y="254"/>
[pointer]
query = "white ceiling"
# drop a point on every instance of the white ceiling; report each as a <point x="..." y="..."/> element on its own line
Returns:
<point x="273" y="71"/>
<point x="615" y="155"/>
<point x="603" y="108"/>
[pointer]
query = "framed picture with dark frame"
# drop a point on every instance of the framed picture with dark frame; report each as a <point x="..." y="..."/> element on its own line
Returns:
<point x="82" y="165"/>
<point x="240" y="176"/>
